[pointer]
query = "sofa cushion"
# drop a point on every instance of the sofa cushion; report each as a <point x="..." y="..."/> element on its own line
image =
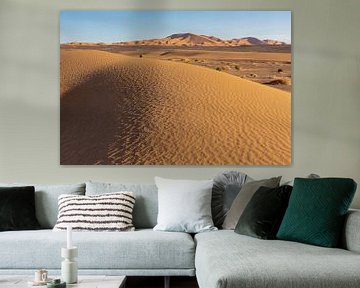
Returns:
<point x="310" y="176"/>
<point x="225" y="259"/>
<point x="263" y="215"/>
<point x="17" y="208"/>
<point x="184" y="205"/>
<point x="226" y="187"/>
<point x="46" y="200"/>
<point x="143" y="249"/>
<point x="105" y="212"/>
<point x="146" y="205"/>
<point x="243" y="198"/>
<point x="317" y="210"/>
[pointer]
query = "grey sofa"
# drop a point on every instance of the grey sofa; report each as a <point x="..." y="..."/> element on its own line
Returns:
<point x="218" y="259"/>
<point x="226" y="259"/>
<point x="143" y="252"/>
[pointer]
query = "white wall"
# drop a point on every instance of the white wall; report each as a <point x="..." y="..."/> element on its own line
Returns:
<point x="326" y="91"/>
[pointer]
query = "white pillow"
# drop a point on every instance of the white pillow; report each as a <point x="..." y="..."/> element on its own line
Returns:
<point x="184" y="205"/>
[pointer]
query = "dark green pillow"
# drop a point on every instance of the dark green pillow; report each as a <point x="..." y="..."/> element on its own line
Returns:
<point x="316" y="211"/>
<point x="17" y="208"/>
<point x="263" y="214"/>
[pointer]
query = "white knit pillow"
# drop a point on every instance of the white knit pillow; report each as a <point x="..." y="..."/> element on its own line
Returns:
<point x="105" y="212"/>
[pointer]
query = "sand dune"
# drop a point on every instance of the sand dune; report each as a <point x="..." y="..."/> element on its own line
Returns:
<point x="117" y="109"/>
<point x="269" y="68"/>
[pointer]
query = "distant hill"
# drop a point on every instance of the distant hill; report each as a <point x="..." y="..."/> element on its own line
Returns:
<point x="190" y="40"/>
<point x="247" y="41"/>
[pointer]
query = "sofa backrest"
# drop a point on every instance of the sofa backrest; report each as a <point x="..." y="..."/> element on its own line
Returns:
<point x="146" y="203"/>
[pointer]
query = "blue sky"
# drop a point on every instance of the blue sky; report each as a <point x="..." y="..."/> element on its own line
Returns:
<point x="115" y="25"/>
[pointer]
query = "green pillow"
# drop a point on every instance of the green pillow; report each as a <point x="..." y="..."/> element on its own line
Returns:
<point x="316" y="211"/>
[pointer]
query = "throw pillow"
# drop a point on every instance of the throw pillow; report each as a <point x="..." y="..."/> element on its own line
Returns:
<point x="226" y="187"/>
<point x="317" y="210"/>
<point x="106" y="212"/>
<point x="243" y="198"/>
<point x="263" y="215"/>
<point x="311" y="176"/>
<point x="184" y="205"/>
<point x="17" y="209"/>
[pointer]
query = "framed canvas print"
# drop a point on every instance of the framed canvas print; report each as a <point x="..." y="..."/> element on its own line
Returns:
<point x="175" y="87"/>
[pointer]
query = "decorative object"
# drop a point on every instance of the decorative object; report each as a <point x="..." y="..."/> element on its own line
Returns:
<point x="56" y="283"/>
<point x="40" y="279"/>
<point x="317" y="209"/>
<point x="69" y="265"/>
<point x="226" y="187"/>
<point x="41" y="275"/>
<point x="17" y="209"/>
<point x="69" y="237"/>
<point x="69" y="268"/>
<point x="243" y="198"/>
<point x="184" y="88"/>
<point x="105" y="212"/>
<point x="184" y="205"/>
<point x="263" y="214"/>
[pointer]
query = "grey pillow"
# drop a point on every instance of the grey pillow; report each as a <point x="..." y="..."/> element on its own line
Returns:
<point x="146" y="204"/>
<point x="226" y="187"/>
<point x="243" y="198"/>
<point x="184" y="205"/>
<point x="46" y="200"/>
<point x="310" y="176"/>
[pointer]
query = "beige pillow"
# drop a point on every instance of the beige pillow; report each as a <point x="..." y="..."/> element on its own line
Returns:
<point x="243" y="198"/>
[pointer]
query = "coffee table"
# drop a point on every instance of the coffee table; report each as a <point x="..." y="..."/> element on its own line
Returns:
<point x="83" y="282"/>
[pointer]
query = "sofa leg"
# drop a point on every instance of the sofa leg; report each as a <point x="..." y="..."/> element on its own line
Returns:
<point x="167" y="282"/>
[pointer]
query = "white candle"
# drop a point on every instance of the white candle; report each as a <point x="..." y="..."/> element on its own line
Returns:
<point x="69" y="237"/>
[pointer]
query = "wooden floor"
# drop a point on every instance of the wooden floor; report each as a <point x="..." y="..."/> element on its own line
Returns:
<point x="158" y="282"/>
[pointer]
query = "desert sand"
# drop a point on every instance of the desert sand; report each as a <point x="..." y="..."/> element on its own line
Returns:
<point x="118" y="109"/>
<point x="266" y="64"/>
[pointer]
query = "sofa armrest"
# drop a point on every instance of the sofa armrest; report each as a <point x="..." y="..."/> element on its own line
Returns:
<point x="351" y="234"/>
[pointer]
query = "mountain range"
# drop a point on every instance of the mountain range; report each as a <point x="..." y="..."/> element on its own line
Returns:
<point x="190" y="39"/>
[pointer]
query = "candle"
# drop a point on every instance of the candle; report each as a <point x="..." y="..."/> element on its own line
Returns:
<point x="69" y="237"/>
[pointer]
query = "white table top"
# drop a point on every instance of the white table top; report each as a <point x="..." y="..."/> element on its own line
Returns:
<point x="84" y="281"/>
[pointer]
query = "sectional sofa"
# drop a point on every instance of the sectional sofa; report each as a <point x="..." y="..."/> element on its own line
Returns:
<point x="219" y="259"/>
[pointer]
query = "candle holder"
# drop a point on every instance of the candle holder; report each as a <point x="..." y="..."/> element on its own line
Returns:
<point x="69" y="271"/>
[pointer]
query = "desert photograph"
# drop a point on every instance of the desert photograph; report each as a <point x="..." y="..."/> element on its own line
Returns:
<point x="175" y="87"/>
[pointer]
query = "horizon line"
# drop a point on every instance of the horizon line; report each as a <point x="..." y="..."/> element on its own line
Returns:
<point x="168" y="35"/>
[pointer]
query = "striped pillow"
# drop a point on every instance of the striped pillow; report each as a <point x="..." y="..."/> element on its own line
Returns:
<point x="105" y="212"/>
